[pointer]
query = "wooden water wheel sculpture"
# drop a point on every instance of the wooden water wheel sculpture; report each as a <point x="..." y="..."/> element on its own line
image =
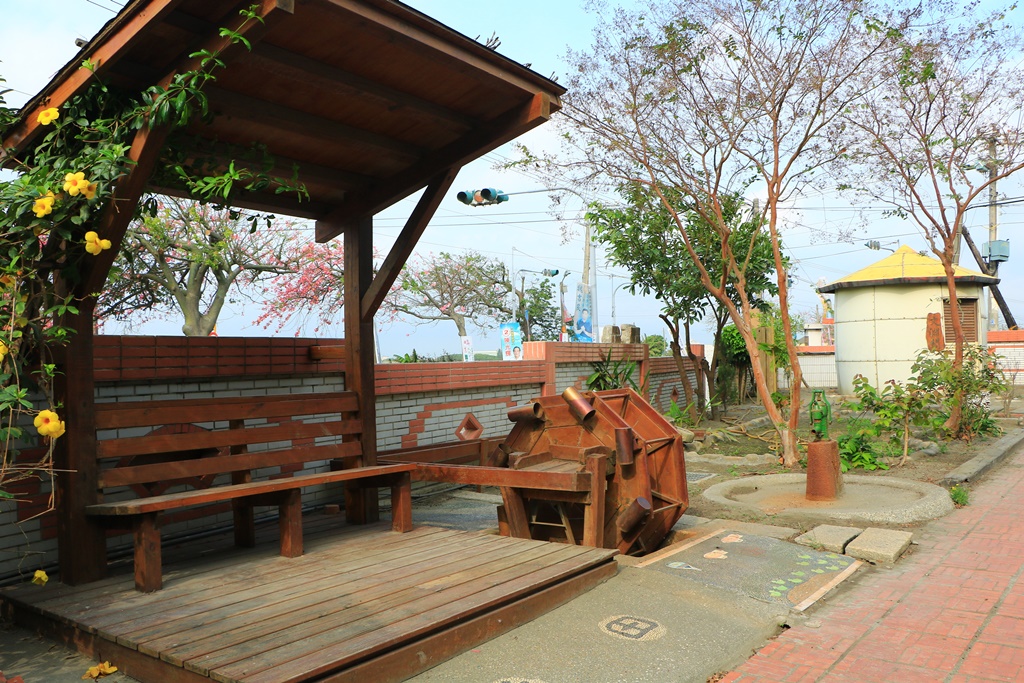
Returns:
<point x="632" y="455"/>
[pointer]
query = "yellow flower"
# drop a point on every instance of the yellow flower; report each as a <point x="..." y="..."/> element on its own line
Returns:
<point x="94" y="245"/>
<point x="4" y="350"/>
<point x="40" y="578"/>
<point x="43" y="205"/>
<point x="48" y="424"/>
<point x="89" y="191"/>
<point x="75" y="183"/>
<point x="48" y="116"/>
<point x="99" y="670"/>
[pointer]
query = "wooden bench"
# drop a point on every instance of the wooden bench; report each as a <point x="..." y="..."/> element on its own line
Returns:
<point x="179" y="451"/>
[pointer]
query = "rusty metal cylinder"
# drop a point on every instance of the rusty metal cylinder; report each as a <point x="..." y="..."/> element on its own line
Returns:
<point x="578" y="405"/>
<point x="624" y="445"/>
<point x="633" y="514"/>
<point x="531" y="411"/>
<point x="824" y="474"/>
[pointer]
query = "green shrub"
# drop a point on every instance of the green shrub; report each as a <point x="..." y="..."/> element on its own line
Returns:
<point x="959" y="495"/>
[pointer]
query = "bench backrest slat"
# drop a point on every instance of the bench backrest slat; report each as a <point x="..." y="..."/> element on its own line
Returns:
<point x="182" y="469"/>
<point x="178" y="455"/>
<point x="153" y="413"/>
<point x="190" y="441"/>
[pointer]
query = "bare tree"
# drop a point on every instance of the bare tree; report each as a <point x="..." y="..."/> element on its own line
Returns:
<point x="922" y="139"/>
<point x="187" y="258"/>
<point x="704" y="101"/>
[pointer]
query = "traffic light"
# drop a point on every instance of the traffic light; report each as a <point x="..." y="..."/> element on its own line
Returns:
<point x="492" y="196"/>
<point x="484" y="197"/>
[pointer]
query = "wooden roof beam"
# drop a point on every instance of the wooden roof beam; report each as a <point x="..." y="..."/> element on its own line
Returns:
<point x="507" y="127"/>
<point x="406" y="242"/>
<point x="430" y="38"/>
<point x="303" y="123"/>
<point x="311" y="72"/>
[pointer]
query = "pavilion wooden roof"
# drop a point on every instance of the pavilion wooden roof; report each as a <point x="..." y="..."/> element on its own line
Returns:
<point x="368" y="99"/>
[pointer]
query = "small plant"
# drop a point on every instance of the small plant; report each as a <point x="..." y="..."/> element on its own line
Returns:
<point x="897" y="407"/>
<point x="856" y="450"/>
<point x="959" y="496"/>
<point x="965" y="389"/>
<point x="609" y="374"/>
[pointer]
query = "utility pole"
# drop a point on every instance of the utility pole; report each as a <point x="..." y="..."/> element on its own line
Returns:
<point x="993" y="217"/>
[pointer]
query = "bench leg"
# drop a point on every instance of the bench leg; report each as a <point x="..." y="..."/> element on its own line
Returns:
<point x="244" y="523"/>
<point x="291" y="524"/>
<point x="401" y="503"/>
<point x="148" y="573"/>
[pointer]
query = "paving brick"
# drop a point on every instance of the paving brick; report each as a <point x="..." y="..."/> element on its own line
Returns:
<point x="829" y="537"/>
<point x="879" y="546"/>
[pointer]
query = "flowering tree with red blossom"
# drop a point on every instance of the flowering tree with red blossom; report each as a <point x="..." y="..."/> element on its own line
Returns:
<point x="464" y="288"/>
<point x="187" y="258"/>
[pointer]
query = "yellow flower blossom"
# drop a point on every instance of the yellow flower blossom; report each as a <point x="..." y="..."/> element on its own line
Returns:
<point x="89" y="191"/>
<point x="48" y="116"/>
<point x="75" y="183"/>
<point x="43" y="205"/>
<point x="4" y="350"/>
<point x="101" y="669"/>
<point x="48" y="423"/>
<point x="94" y="245"/>
<point x="40" y="578"/>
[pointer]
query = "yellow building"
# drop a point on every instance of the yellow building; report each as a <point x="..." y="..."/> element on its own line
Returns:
<point x="881" y="313"/>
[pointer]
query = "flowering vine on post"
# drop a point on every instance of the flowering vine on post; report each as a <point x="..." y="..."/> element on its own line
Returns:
<point x="51" y="232"/>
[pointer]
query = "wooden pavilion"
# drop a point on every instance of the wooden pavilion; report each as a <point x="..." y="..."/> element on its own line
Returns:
<point x="370" y="101"/>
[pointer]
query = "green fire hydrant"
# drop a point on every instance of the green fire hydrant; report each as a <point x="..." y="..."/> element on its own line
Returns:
<point x="821" y="414"/>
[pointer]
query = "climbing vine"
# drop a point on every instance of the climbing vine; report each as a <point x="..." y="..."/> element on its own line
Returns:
<point x="50" y="228"/>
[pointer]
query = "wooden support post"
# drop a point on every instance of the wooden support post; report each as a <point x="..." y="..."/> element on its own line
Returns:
<point x="361" y="505"/>
<point x="515" y="513"/>
<point x="148" y="571"/>
<point x="593" y="515"/>
<point x="244" y="517"/>
<point x="291" y="523"/>
<point x="401" y="503"/>
<point x="81" y="543"/>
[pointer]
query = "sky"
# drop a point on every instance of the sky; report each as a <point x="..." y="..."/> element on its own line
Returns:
<point x="37" y="38"/>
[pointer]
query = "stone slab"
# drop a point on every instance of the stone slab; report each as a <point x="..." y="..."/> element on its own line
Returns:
<point x="985" y="460"/>
<point x="829" y="537"/>
<point x="879" y="546"/>
<point x="684" y="531"/>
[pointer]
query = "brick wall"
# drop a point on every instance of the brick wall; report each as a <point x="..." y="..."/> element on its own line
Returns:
<point x="417" y="404"/>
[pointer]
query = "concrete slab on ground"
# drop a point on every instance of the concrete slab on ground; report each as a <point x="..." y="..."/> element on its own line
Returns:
<point x="829" y="537"/>
<point x="880" y="546"/>
<point x="755" y="566"/>
<point x="638" y="627"/>
<point x="684" y="530"/>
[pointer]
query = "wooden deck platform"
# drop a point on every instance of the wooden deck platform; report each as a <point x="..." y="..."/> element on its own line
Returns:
<point x="363" y="604"/>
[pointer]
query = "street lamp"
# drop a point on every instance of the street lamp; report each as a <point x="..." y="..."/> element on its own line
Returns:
<point x="614" y="323"/>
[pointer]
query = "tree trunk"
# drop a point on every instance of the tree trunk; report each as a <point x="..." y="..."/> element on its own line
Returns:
<point x="691" y="405"/>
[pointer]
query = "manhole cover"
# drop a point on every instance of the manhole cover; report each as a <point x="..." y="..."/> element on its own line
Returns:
<point x="698" y="476"/>
<point x="628" y="627"/>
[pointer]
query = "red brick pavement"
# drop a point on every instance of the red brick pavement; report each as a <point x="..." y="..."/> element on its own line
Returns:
<point x="952" y="611"/>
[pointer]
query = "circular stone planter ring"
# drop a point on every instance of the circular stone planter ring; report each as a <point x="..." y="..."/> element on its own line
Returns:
<point x="865" y="500"/>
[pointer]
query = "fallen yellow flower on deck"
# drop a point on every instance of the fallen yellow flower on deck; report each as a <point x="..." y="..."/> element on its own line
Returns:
<point x="40" y="578"/>
<point x="101" y="669"/>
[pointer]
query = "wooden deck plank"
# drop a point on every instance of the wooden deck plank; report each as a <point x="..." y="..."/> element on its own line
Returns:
<point x="212" y="617"/>
<point x="385" y="594"/>
<point x="360" y="605"/>
<point x="118" y="598"/>
<point x="458" y="595"/>
<point x="299" y="638"/>
<point x="152" y="621"/>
